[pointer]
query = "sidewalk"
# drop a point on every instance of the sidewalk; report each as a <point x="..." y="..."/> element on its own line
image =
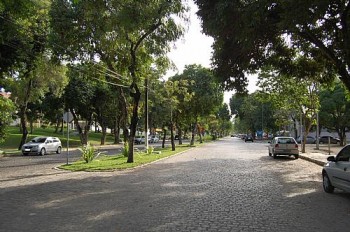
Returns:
<point x="319" y="156"/>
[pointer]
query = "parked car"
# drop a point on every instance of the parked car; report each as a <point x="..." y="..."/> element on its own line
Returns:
<point x="283" y="146"/>
<point x="154" y="139"/>
<point x="331" y="139"/>
<point x="42" y="146"/>
<point x="138" y="139"/>
<point x="336" y="172"/>
<point x="309" y="139"/>
<point x="248" y="138"/>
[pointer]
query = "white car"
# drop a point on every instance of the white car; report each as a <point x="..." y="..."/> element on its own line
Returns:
<point x="283" y="146"/>
<point x="154" y="139"/>
<point x="42" y="146"/>
<point x="336" y="172"/>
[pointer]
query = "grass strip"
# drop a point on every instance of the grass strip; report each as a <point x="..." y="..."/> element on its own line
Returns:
<point x="119" y="162"/>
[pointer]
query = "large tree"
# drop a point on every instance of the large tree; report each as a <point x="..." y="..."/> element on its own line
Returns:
<point x="250" y="34"/>
<point x="335" y="110"/>
<point x="127" y="36"/>
<point x="7" y="110"/>
<point x="207" y="94"/>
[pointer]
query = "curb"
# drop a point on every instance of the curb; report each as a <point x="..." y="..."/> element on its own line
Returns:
<point x="321" y="163"/>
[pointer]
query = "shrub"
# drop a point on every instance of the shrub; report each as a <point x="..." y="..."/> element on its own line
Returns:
<point x="88" y="153"/>
<point x="150" y="150"/>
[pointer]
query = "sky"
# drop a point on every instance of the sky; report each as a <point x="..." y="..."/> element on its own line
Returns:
<point x="195" y="48"/>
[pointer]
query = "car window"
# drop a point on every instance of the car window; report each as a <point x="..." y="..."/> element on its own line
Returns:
<point x="286" y="141"/>
<point x="39" y="140"/>
<point x="344" y="154"/>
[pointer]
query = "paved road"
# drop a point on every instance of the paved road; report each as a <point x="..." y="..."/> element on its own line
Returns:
<point x="228" y="185"/>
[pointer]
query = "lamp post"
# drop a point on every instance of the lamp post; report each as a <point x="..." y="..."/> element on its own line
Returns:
<point x="146" y="113"/>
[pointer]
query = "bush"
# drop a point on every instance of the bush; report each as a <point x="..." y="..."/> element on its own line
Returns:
<point x="88" y="153"/>
<point x="150" y="150"/>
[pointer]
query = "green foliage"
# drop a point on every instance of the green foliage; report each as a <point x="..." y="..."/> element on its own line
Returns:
<point x="118" y="162"/>
<point x="88" y="153"/>
<point x="335" y="109"/>
<point x="7" y="110"/>
<point x="251" y="34"/>
<point x="150" y="150"/>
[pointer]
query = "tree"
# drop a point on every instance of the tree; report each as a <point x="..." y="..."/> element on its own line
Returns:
<point x="19" y="27"/>
<point x="127" y="36"/>
<point x="335" y="110"/>
<point x="224" y="124"/>
<point x="292" y="96"/>
<point x="207" y="94"/>
<point x="24" y="54"/>
<point x="7" y="110"/>
<point x="251" y="34"/>
<point x="80" y="97"/>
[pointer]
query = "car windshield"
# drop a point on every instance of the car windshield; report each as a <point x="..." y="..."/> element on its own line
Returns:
<point x="285" y="141"/>
<point x="38" y="140"/>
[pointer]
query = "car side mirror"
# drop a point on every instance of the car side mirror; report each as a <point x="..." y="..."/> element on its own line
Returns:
<point x="331" y="158"/>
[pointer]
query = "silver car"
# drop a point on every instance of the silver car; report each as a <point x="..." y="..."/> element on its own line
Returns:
<point x="283" y="146"/>
<point x="336" y="172"/>
<point x="42" y="146"/>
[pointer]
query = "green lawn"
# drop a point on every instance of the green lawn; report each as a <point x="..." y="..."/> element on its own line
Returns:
<point x="11" y="143"/>
<point x="118" y="162"/>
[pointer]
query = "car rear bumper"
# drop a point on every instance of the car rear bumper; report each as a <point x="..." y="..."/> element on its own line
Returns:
<point x="287" y="151"/>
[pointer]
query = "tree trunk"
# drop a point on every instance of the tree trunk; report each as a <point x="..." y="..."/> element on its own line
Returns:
<point x="57" y="124"/>
<point x="342" y="136"/>
<point x="116" y="130"/>
<point x="103" y="135"/>
<point x="134" y="119"/>
<point x="164" y="137"/>
<point x="172" y="136"/>
<point x="180" y="135"/>
<point x="200" y="134"/>
<point x="83" y="133"/>
<point x="193" y="134"/>
<point x="62" y="126"/>
<point x="23" y="120"/>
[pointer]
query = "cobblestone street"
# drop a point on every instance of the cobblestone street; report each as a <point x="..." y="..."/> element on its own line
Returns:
<point x="227" y="185"/>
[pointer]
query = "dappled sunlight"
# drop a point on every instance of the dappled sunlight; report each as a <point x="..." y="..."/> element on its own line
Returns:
<point x="301" y="192"/>
<point x="103" y="215"/>
<point x="63" y="200"/>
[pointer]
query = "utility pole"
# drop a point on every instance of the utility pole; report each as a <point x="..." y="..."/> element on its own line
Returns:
<point x="146" y="113"/>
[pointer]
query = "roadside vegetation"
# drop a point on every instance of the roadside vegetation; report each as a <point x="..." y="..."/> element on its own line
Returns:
<point x="119" y="162"/>
<point x="10" y="144"/>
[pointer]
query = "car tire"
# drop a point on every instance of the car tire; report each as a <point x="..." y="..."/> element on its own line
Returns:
<point x="296" y="156"/>
<point x="270" y="153"/>
<point x="24" y="154"/>
<point x="59" y="149"/>
<point x="274" y="155"/>
<point x="42" y="151"/>
<point x="327" y="185"/>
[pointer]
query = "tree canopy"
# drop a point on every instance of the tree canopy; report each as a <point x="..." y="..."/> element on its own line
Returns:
<point x="251" y="34"/>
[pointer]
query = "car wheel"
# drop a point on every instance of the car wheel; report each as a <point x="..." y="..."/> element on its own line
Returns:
<point x="296" y="156"/>
<point x="327" y="186"/>
<point x="42" y="151"/>
<point x="59" y="149"/>
<point x="270" y="153"/>
<point x="24" y="154"/>
<point x="274" y="155"/>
